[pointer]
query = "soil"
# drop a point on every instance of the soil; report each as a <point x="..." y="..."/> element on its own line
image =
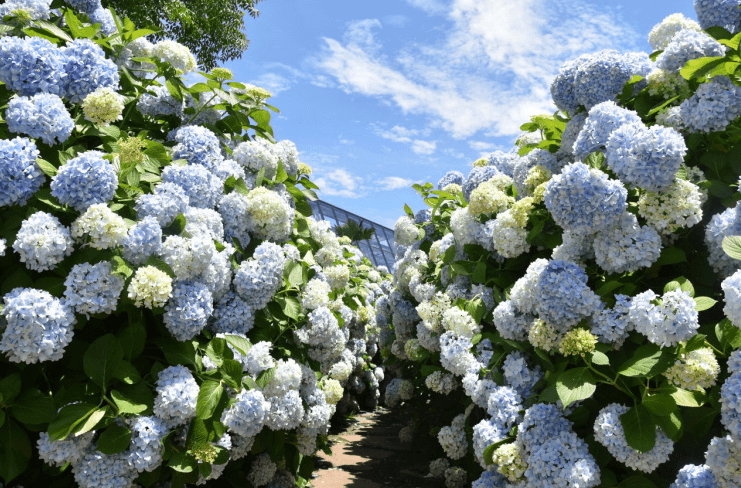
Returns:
<point x="367" y="453"/>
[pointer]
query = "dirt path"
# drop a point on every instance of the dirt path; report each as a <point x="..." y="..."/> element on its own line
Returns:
<point x="367" y="453"/>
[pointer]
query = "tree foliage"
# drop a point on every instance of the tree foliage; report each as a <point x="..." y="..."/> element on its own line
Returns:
<point x="211" y="29"/>
<point x="355" y="231"/>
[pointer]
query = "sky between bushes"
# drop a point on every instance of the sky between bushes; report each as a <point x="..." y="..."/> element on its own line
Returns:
<point x="378" y="95"/>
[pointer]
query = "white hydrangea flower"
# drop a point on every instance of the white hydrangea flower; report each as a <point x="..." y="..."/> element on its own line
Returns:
<point x="105" y="228"/>
<point x="256" y="155"/>
<point x="661" y="34"/>
<point x="333" y="390"/>
<point x="695" y="369"/>
<point x="460" y="322"/>
<point x="176" y="54"/>
<point x="509" y="238"/>
<point x="337" y="276"/>
<point x="269" y="216"/>
<point x="103" y="106"/>
<point x="405" y="231"/>
<point x="677" y="207"/>
<point x="188" y="257"/>
<point x="150" y="287"/>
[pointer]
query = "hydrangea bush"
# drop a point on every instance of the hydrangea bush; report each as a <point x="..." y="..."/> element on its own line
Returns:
<point x="171" y="313"/>
<point x="568" y="313"/>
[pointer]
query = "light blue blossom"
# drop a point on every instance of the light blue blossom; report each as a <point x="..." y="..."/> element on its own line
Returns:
<point x="541" y="421"/>
<point x="197" y="145"/>
<point x="490" y="479"/>
<point x="98" y="470"/>
<point x="85" y="180"/>
<point x="504" y="405"/>
<point x="232" y="315"/>
<point x="43" y="242"/>
<point x="562" y="296"/>
<point x="42" y="116"/>
<point x="510" y="323"/>
<point x="562" y="88"/>
<point x="145" y="451"/>
<point x="260" y="277"/>
<point x="721" y="13"/>
<point x="518" y="375"/>
<point x="30" y="66"/>
<point x="103" y="17"/>
<point x="143" y="240"/>
<point x="602" y="76"/>
<point x="665" y="321"/>
<point x="38" y="326"/>
<point x="86" y="6"/>
<point x="688" y="44"/>
<point x="188" y="310"/>
<point x="602" y="120"/>
<point x="611" y="325"/>
<point x="562" y="461"/>
<point x="87" y="69"/>
<point x="504" y="161"/>
<point x="286" y="411"/>
<point x="627" y="247"/>
<point x="732" y="297"/>
<point x="486" y="433"/>
<point x="37" y="9"/>
<point x="693" y="476"/>
<point x="585" y="200"/>
<point x="726" y="223"/>
<point x="730" y="406"/>
<point x="20" y="176"/>
<point x="159" y="103"/>
<point x="451" y="177"/>
<point x="202" y="187"/>
<point x="646" y="157"/>
<point x="93" y="288"/>
<point x="569" y="135"/>
<point x="177" y="394"/>
<point x="69" y="450"/>
<point x="478" y="175"/>
<point x="167" y="202"/>
<point x="712" y="107"/>
<point x="248" y="414"/>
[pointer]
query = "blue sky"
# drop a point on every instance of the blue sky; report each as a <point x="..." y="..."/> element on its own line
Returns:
<point x="378" y="95"/>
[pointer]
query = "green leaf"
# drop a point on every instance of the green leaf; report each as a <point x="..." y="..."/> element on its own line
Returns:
<point x="42" y="25"/>
<point x="126" y="372"/>
<point x="574" y="385"/>
<point x="662" y="404"/>
<point x="10" y="386"/>
<point x="67" y="418"/>
<point x="218" y="350"/>
<point x="732" y="246"/>
<point x="241" y="344"/>
<point x="704" y="303"/>
<point x="408" y="210"/>
<point x="647" y="361"/>
<point x="176" y="227"/>
<point x="208" y="398"/>
<point x="179" y="352"/>
<point x="680" y="283"/>
<point x="728" y="335"/>
<point x="295" y="274"/>
<point x="265" y="377"/>
<point x="91" y="421"/>
<point x="15" y="450"/>
<point x="671" y="255"/>
<point x="136" y="399"/>
<point x="114" y="439"/>
<point x="686" y="398"/>
<point x="132" y="340"/>
<point x="696" y="68"/>
<point x="33" y="407"/>
<point x="102" y="358"/>
<point x="183" y="462"/>
<point x="231" y="371"/>
<point x="49" y="169"/>
<point x="640" y="428"/>
<point x="476" y="308"/>
<point x="600" y="358"/>
<point x="671" y="425"/>
<point x="696" y="342"/>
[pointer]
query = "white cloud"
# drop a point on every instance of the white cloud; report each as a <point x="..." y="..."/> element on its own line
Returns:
<point x="490" y="70"/>
<point x="338" y="182"/>
<point x="395" y="182"/>
<point x="482" y="146"/>
<point x="424" y="147"/>
<point x="401" y="134"/>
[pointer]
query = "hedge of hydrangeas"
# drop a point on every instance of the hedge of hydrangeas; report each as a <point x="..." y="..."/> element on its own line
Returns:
<point x="568" y="314"/>
<point x="171" y="313"/>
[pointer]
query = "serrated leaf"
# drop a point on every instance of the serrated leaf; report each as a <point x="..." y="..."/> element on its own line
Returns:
<point x="90" y="422"/>
<point x="10" y="387"/>
<point x="241" y="344"/>
<point x="574" y="385"/>
<point x="600" y="358"/>
<point x="704" y="303"/>
<point x="686" y="398"/>
<point x="114" y="439"/>
<point x="639" y="428"/>
<point x="671" y="425"/>
<point x="728" y="334"/>
<point x="265" y="377"/>
<point x="647" y="361"/>
<point x="183" y="462"/>
<point x="136" y="399"/>
<point x="67" y="418"/>
<point x="15" y="450"/>
<point x="102" y="358"/>
<point x="46" y="167"/>
<point x="208" y="398"/>
<point x="732" y="246"/>
<point x="662" y="404"/>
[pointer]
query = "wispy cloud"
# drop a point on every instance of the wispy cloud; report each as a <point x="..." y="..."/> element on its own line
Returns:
<point x="401" y="134"/>
<point x="395" y="182"/>
<point x="488" y="72"/>
<point x="482" y="146"/>
<point x="339" y="182"/>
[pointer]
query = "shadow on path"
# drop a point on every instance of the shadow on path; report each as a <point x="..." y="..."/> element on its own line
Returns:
<point x="367" y="453"/>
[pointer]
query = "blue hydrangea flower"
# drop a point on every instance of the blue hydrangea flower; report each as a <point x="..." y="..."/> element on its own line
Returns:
<point x="259" y="277"/>
<point x="518" y="375"/>
<point x="562" y="461"/>
<point x="86" y="6"/>
<point x="232" y="315"/>
<point x="38" y="326"/>
<point x="685" y="45"/>
<point x="611" y="325"/>
<point x="233" y="210"/>
<point x="161" y="103"/>
<point x="667" y="321"/>
<point x="693" y="476"/>
<point x="85" y="180"/>
<point x="93" y="288"/>
<point x="228" y="167"/>
<point x="42" y="116"/>
<point x="37" y="9"/>
<point x="647" y="157"/>
<point x="585" y="200"/>
<point x="30" y="66"/>
<point x="504" y="161"/>
<point x="730" y="406"/>
<point x="541" y="421"/>
<point x="202" y="187"/>
<point x="712" y="107"/>
<point x="87" y="69"/>
<point x="726" y="223"/>
<point x="477" y="176"/>
<point x="510" y="322"/>
<point x="569" y="135"/>
<point x="602" y="77"/>
<point x="627" y="247"/>
<point x="490" y="479"/>
<point x="103" y="17"/>
<point x="197" y="145"/>
<point x="177" y="394"/>
<point x="562" y="297"/>
<point x="608" y="431"/>
<point x="248" y="415"/>
<point x="43" y="242"/>
<point x="721" y="13"/>
<point x="603" y="118"/>
<point x="451" y="177"/>
<point x="98" y="470"/>
<point x="145" y="451"/>
<point x="188" y="310"/>
<point x="562" y="88"/>
<point x="732" y="297"/>
<point x="143" y="240"/>
<point x="20" y="176"/>
<point x="734" y="361"/>
<point x="504" y="405"/>
<point x="486" y="433"/>
<point x="167" y="202"/>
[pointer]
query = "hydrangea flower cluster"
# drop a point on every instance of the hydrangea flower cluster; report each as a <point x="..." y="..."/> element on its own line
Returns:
<point x="85" y="180"/>
<point x="41" y="116"/>
<point x="42" y="242"/>
<point x="686" y="45"/>
<point x="662" y="33"/>
<point x="92" y="288"/>
<point x="20" y="176"/>
<point x="712" y="107"/>
<point x="177" y="392"/>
